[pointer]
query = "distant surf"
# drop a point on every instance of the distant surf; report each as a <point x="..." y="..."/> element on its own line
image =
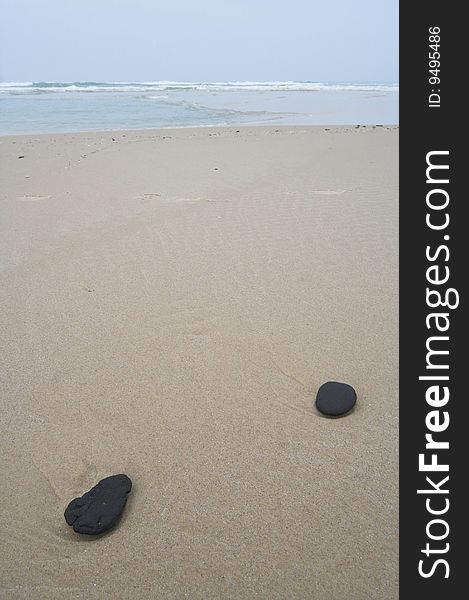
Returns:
<point x="50" y="106"/>
<point x="254" y="86"/>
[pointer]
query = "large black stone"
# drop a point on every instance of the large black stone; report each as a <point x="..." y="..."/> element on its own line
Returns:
<point x="335" y="399"/>
<point x="99" y="509"/>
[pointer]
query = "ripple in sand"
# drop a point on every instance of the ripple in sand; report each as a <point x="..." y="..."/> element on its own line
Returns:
<point x="32" y="198"/>
<point x="328" y="192"/>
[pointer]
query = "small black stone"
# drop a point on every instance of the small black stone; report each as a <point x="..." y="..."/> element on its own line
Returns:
<point x="99" y="509"/>
<point x="335" y="399"/>
<point x="21" y="156"/>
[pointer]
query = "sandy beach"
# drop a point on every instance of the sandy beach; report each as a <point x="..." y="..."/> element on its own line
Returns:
<point x="170" y="302"/>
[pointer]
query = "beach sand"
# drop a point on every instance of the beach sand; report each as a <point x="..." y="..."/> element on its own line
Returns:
<point x="170" y="303"/>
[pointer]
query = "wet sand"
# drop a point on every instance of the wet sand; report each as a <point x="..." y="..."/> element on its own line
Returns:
<point x="170" y="303"/>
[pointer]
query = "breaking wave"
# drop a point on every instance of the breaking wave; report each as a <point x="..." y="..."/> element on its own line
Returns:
<point x="164" y="86"/>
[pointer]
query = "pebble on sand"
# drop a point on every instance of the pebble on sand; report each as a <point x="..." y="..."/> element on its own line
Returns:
<point x="335" y="399"/>
<point x="99" y="509"/>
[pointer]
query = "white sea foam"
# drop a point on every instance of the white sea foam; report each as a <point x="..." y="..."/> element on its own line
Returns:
<point x="8" y="84"/>
<point x="218" y="86"/>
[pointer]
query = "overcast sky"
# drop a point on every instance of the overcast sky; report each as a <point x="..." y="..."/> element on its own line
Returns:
<point x="199" y="40"/>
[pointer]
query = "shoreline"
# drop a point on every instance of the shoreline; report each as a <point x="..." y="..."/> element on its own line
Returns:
<point x="389" y="126"/>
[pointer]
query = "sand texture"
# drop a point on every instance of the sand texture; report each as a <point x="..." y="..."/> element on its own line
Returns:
<point x="170" y="302"/>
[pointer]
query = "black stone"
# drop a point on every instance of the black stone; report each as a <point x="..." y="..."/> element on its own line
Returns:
<point x="335" y="399"/>
<point x="20" y="156"/>
<point x="99" y="509"/>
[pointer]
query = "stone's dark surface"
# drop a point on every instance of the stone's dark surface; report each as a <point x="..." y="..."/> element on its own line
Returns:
<point x="335" y="399"/>
<point x="99" y="509"/>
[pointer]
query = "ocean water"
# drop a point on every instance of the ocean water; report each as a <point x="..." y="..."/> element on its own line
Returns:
<point x="42" y="107"/>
